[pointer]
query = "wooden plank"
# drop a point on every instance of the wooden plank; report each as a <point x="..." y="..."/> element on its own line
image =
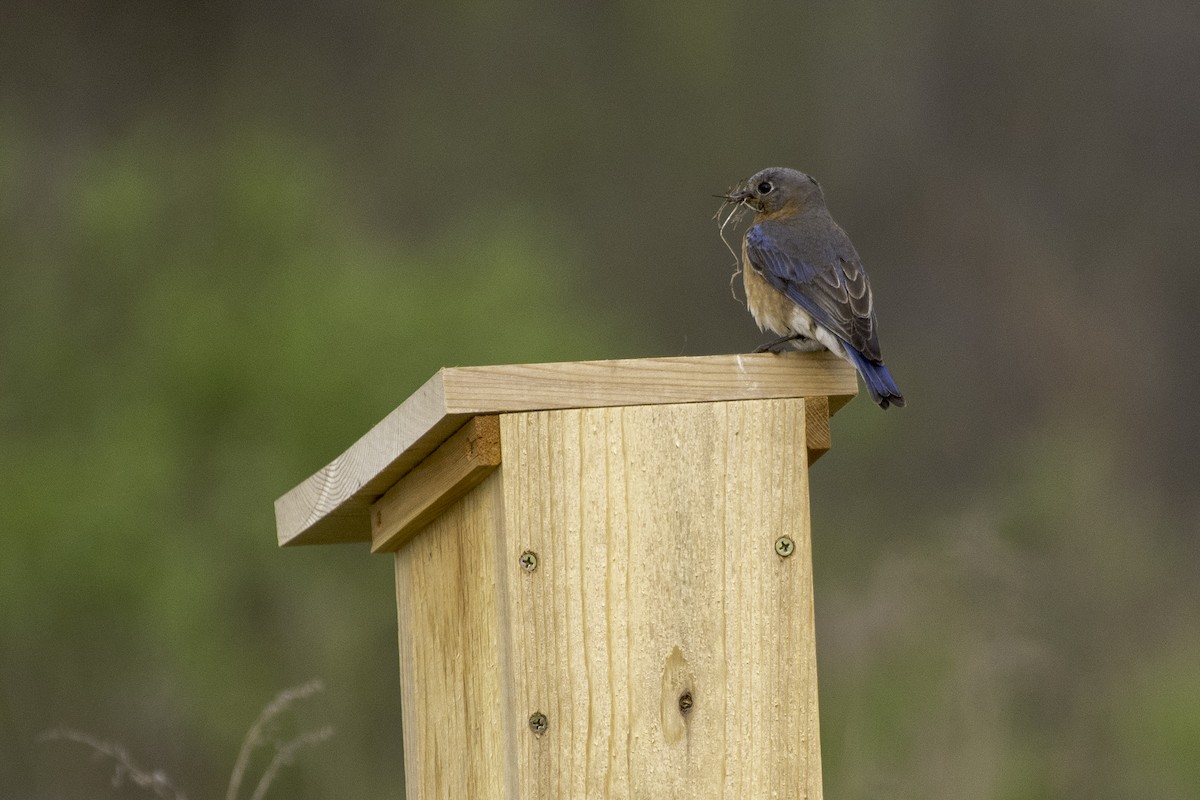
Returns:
<point x="457" y="466"/>
<point x="648" y="381"/>
<point x="668" y="644"/>
<point x="816" y="428"/>
<point x="452" y="682"/>
<point x="333" y="505"/>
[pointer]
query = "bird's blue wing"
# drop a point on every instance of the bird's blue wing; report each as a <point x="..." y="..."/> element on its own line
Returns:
<point x="825" y="278"/>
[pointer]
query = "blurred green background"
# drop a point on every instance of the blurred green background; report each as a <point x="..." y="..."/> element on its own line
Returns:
<point x="234" y="236"/>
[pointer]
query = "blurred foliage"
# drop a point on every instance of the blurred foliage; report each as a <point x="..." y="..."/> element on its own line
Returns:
<point x="233" y="237"/>
<point x="204" y="328"/>
<point x="1014" y="649"/>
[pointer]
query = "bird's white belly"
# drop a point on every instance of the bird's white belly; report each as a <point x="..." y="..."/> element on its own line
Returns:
<point x="774" y="311"/>
<point x="801" y="322"/>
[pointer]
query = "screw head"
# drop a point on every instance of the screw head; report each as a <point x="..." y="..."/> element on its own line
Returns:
<point x="685" y="702"/>
<point x="538" y="723"/>
<point x="784" y="546"/>
<point x="528" y="561"/>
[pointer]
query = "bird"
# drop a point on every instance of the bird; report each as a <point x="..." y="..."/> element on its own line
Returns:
<point x="804" y="280"/>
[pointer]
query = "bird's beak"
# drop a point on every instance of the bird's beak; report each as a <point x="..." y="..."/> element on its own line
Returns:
<point x="740" y="195"/>
<point x="737" y="195"/>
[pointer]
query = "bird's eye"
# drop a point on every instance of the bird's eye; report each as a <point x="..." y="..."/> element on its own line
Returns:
<point x="765" y="187"/>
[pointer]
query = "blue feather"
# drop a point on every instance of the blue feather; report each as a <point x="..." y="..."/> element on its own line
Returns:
<point x="878" y="379"/>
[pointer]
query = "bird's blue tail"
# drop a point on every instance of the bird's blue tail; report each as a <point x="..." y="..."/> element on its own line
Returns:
<point x="879" y="381"/>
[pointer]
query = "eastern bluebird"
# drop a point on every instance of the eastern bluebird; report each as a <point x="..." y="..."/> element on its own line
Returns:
<point x="804" y="280"/>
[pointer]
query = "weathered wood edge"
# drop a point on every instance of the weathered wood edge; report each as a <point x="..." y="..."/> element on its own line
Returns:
<point x="649" y="381"/>
<point x="333" y="505"/>
<point x="817" y="436"/>
<point x="445" y="475"/>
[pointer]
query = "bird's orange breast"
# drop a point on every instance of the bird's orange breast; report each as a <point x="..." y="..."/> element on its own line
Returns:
<point x="770" y="308"/>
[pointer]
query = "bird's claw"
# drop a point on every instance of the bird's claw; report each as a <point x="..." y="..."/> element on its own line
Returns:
<point x="780" y="344"/>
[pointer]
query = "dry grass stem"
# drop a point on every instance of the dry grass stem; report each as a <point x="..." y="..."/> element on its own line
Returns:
<point x="735" y="216"/>
<point x="257" y="736"/>
<point x="284" y="753"/>
<point x="156" y="781"/>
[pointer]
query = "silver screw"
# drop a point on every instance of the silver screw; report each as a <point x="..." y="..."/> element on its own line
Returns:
<point x="528" y="561"/>
<point x="784" y="546"/>
<point x="538" y="723"/>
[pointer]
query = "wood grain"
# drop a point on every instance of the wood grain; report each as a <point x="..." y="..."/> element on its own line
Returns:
<point x="457" y="466"/>
<point x="452" y="674"/>
<point x="333" y="505"/>
<point x="649" y="381"/>
<point x="816" y="428"/>
<point x="658" y="577"/>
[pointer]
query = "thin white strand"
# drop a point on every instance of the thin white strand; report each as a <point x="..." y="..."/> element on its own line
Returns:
<point x="735" y="211"/>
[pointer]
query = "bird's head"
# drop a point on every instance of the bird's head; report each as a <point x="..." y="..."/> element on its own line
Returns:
<point x="776" y="189"/>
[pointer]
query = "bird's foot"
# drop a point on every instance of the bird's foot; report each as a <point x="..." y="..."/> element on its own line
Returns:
<point x="780" y="344"/>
